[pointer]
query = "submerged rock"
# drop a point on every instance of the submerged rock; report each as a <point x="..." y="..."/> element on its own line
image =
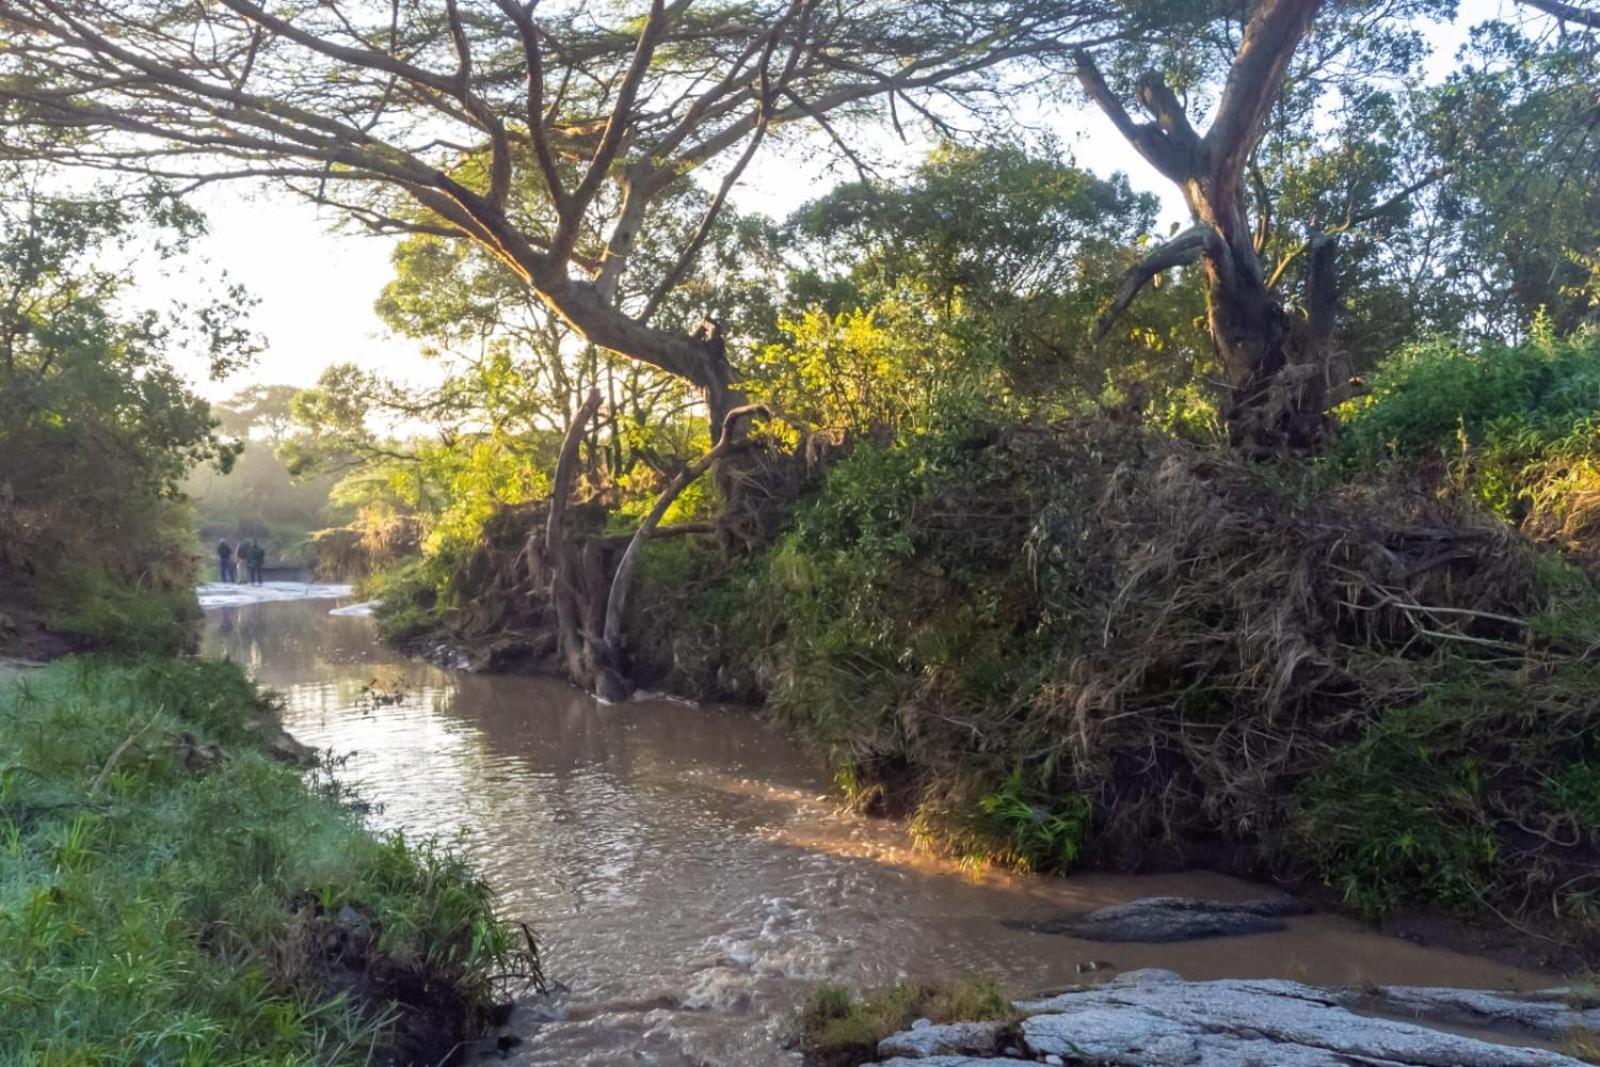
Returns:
<point x="1163" y="919"/>
<point x="1155" y="1019"/>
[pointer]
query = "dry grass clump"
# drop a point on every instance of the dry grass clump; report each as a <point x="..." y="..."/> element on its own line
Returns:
<point x="1243" y="620"/>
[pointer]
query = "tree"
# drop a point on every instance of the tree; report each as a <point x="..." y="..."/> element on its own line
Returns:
<point x="263" y="408"/>
<point x="546" y="140"/>
<point x="990" y="261"/>
<point x="1518" y="127"/>
<point x="97" y="429"/>
<point x="1256" y="340"/>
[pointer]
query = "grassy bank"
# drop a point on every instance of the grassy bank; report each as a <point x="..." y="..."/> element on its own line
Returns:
<point x="170" y="893"/>
<point x="838" y="1028"/>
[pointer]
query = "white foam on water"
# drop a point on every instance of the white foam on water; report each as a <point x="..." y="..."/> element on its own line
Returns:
<point x="227" y="595"/>
<point x="362" y="610"/>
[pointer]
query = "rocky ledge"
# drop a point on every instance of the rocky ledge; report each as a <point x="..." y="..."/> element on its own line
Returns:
<point x="1154" y="1018"/>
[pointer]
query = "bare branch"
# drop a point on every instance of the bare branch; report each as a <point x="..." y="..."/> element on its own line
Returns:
<point x="1154" y="145"/>
<point x="1566" y="12"/>
<point x="1184" y="249"/>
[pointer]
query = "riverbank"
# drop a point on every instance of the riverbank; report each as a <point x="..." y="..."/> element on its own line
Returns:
<point x="692" y="876"/>
<point x="173" y="889"/>
<point x="1091" y="645"/>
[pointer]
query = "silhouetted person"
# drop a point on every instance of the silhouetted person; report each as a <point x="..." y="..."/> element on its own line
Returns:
<point x="241" y="563"/>
<point x="225" y="571"/>
<point x="258" y="559"/>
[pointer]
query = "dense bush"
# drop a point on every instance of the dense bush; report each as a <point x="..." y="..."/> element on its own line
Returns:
<point x="1518" y="427"/>
<point x="97" y="429"/>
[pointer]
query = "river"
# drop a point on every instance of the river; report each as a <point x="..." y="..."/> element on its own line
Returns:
<point x="686" y="869"/>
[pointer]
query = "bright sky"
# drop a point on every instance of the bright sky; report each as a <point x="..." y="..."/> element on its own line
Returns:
<point x="316" y="288"/>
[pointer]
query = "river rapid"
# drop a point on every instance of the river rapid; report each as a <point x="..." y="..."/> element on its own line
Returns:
<point x="686" y="869"/>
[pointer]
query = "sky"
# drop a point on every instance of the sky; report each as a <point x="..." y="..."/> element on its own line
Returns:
<point x="316" y="287"/>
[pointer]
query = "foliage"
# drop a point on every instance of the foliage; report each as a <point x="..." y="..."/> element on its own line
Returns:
<point x="97" y="430"/>
<point x="838" y="1028"/>
<point x="984" y="271"/>
<point x="1019" y="824"/>
<point x="168" y="892"/>
<point x="1513" y="425"/>
<point x="873" y="372"/>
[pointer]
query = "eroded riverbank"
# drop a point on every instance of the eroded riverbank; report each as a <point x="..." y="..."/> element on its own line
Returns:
<point x="688" y="873"/>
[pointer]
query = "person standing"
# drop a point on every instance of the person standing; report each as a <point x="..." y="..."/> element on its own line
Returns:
<point x="258" y="559"/>
<point x="224" y="562"/>
<point x="241" y="563"/>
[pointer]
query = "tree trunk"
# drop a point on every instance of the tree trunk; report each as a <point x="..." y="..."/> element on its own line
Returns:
<point x="622" y="581"/>
<point x="1275" y="368"/>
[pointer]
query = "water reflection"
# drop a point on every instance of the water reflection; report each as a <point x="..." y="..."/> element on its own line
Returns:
<point x="684" y="867"/>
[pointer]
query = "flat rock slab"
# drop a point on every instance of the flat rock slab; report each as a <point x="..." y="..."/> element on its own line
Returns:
<point x="1156" y="1019"/>
<point x="1550" y="1013"/>
<point x="1166" y="919"/>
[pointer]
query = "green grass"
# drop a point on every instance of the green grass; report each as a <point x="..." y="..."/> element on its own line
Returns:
<point x="158" y="907"/>
<point x="838" y="1028"/>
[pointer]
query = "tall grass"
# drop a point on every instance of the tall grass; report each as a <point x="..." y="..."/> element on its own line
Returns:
<point x="169" y="894"/>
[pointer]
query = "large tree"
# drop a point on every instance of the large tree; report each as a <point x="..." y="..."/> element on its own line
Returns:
<point x="1321" y="139"/>
<point x="545" y="134"/>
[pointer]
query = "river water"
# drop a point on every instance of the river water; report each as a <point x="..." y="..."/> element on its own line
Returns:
<point x="686" y="870"/>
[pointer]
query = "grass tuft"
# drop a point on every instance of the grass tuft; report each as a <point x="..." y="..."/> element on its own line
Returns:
<point x="838" y="1028"/>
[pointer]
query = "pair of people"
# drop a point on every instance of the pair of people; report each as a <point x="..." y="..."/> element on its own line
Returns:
<point x="249" y="553"/>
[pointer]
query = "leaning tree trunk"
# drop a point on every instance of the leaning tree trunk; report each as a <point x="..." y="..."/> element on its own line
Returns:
<point x="731" y="440"/>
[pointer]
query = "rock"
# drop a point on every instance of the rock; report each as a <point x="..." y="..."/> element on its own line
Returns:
<point x="1211" y="1024"/>
<point x="1153" y="1018"/>
<point x="1054" y="1060"/>
<point x="1550" y="1013"/>
<point x="921" y="1024"/>
<point x="942" y="1040"/>
<point x="1148" y="974"/>
<point x="1162" y="919"/>
<point x="281" y="745"/>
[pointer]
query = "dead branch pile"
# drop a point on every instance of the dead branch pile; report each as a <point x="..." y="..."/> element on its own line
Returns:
<point x="1244" y="623"/>
<point x="1242" y="656"/>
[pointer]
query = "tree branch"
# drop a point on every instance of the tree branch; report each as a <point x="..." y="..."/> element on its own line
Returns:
<point x="1182" y="250"/>
<point x="1155" y="146"/>
<point x="1566" y="12"/>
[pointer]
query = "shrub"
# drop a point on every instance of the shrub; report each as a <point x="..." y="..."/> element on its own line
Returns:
<point x="1517" y="427"/>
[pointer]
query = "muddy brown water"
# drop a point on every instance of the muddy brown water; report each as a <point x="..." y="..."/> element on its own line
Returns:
<point x="689" y="875"/>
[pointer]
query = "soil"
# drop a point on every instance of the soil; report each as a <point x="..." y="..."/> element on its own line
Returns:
<point x="435" y="1022"/>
